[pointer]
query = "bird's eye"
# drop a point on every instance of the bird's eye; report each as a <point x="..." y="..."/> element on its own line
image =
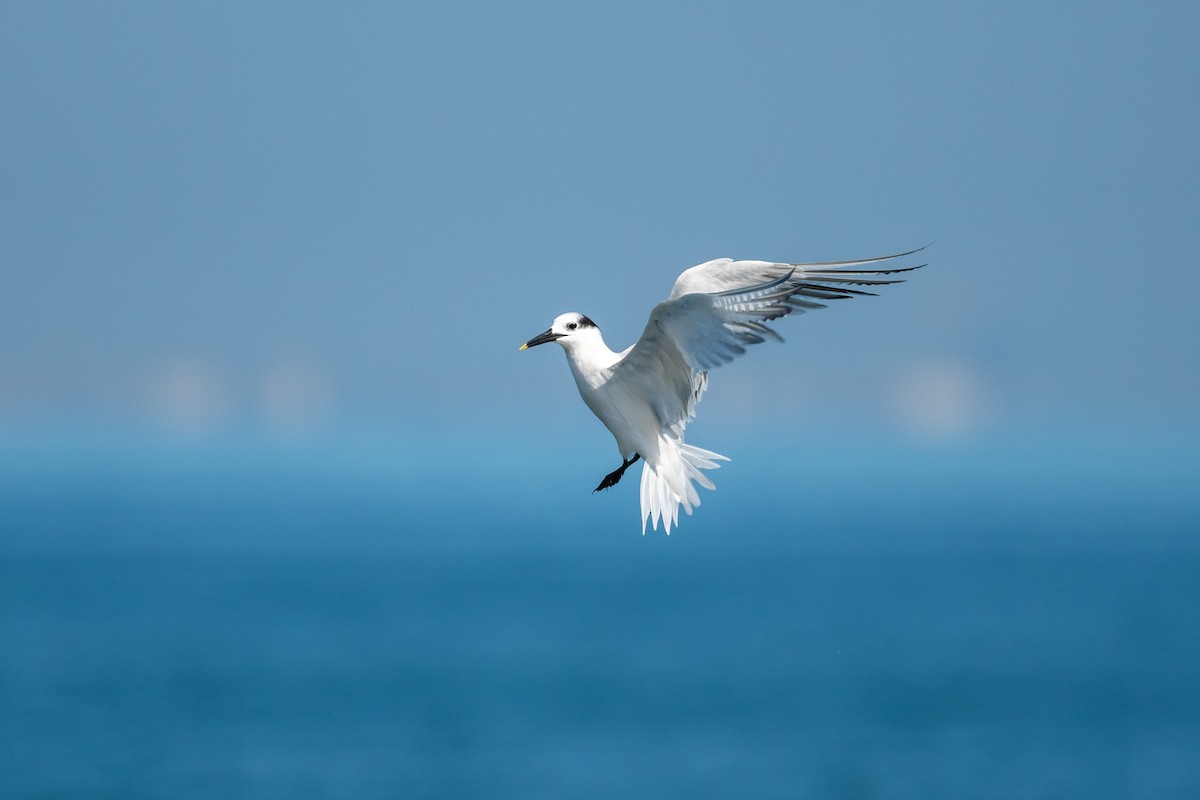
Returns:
<point x="571" y="326"/>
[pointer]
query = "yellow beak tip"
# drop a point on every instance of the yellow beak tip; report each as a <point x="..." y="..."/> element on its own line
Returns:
<point x="523" y="347"/>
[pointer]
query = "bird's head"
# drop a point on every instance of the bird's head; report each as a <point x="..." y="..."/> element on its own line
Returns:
<point x="568" y="330"/>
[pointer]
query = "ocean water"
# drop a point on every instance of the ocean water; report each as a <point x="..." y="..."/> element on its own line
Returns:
<point x="822" y="676"/>
<point x="222" y="631"/>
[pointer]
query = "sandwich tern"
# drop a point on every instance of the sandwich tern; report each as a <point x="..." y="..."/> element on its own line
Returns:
<point x="646" y="394"/>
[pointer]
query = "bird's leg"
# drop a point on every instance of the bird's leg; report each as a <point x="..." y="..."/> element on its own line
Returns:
<point x="611" y="478"/>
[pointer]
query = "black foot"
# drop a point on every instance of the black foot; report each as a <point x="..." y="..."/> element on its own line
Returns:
<point x="611" y="478"/>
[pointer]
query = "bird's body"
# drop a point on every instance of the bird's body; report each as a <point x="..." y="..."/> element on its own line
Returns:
<point x="646" y="394"/>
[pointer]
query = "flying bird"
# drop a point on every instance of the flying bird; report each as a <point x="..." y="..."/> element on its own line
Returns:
<point x="646" y="394"/>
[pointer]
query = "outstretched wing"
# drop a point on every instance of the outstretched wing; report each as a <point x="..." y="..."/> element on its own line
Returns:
<point x="822" y="280"/>
<point x="717" y="309"/>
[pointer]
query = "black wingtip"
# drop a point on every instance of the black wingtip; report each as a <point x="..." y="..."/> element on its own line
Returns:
<point x="869" y="260"/>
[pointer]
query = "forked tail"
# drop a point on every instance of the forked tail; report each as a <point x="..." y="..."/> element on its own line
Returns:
<point x="668" y="483"/>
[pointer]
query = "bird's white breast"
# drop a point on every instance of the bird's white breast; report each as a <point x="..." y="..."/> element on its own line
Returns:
<point x="629" y="417"/>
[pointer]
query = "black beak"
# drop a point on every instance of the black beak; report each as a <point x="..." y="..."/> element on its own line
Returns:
<point x="541" y="338"/>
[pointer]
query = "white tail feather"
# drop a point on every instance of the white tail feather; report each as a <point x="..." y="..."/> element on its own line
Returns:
<point x="667" y="484"/>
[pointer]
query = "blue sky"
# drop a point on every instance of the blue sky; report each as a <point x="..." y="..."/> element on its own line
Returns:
<point x="294" y="219"/>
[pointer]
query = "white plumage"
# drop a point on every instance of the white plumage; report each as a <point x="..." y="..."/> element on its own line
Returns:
<point x="645" y="395"/>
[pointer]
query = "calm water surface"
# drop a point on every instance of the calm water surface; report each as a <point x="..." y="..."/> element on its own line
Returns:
<point x="952" y="676"/>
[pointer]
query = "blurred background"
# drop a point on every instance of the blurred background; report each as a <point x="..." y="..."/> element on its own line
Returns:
<point x="285" y="513"/>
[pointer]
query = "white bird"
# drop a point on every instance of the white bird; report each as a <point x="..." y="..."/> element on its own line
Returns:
<point x="646" y="394"/>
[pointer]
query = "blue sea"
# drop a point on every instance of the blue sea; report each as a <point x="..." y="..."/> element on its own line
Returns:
<point x="265" y="623"/>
